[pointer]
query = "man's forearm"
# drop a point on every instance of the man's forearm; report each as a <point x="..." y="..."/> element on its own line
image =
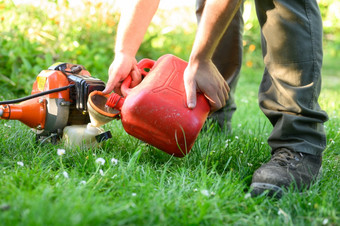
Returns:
<point x="135" y="19"/>
<point x="215" y="19"/>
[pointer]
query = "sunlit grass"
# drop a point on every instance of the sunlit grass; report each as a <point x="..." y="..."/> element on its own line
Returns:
<point x="147" y="186"/>
<point x="138" y="184"/>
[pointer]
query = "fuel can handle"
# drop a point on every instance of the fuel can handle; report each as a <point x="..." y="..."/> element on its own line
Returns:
<point x="144" y="66"/>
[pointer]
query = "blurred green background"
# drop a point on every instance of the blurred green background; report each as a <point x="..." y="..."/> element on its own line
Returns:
<point x="35" y="34"/>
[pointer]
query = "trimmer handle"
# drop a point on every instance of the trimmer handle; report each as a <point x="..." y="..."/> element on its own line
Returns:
<point x="144" y="66"/>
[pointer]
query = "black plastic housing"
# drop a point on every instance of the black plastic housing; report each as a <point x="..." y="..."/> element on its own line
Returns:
<point x="84" y="85"/>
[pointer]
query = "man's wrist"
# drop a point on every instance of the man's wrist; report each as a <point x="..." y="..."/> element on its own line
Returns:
<point x="200" y="56"/>
<point x="197" y="59"/>
<point x="124" y="53"/>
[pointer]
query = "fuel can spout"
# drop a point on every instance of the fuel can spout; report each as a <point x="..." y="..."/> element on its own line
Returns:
<point x="115" y="101"/>
<point x="31" y="112"/>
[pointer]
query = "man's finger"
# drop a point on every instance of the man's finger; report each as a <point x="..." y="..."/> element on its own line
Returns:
<point x="108" y="88"/>
<point x="190" y="90"/>
<point x="226" y="86"/>
<point x="136" y="78"/>
<point x="214" y="105"/>
<point x="110" y="85"/>
<point x="113" y="80"/>
<point x="223" y="95"/>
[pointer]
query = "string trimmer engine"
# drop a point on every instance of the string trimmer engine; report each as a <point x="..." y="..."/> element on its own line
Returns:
<point x="58" y="99"/>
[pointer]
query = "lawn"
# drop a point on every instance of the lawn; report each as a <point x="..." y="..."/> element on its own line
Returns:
<point x="137" y="184"/>
<point x="148" y="187"/>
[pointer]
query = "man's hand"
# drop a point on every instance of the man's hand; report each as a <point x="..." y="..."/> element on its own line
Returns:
<point x="122" y="66"/>
<point x="134" y="21"/>
<point x="203" y="76"/>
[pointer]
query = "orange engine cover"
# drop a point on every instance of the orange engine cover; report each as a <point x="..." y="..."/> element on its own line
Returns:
<point x="51" y="79"/>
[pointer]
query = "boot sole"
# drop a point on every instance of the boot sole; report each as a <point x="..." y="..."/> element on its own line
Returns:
<point x="270" y="190"/>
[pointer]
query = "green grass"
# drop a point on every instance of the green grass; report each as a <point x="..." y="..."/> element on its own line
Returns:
<point x="148" y="187"/>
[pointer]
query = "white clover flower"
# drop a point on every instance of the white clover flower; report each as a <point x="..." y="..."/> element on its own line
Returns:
<point x="226" y="143"/>
<point x="205" y="192"/>
<point x="65" y="174"/>
<point x="100" y="161"/>
<point x="114" y="161"/>
<point x="281" y="212"/>
<point x="325" y="221"/>
<point x="101" y="172"/>
<point x="20" y="163"/>
<point x="247" y="196"/>
<point x="82" y="182"/>
<point x="60" y="151"/>
<point x="134" y="194"/>
<point x="76" y="44"/>
<point x="195" y="189"/>
<point x="236" y="137"/>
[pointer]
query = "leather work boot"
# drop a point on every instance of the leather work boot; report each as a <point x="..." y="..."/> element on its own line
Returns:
<point x="285" y="168"/>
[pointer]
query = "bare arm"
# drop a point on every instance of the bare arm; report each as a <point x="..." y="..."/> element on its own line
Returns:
<point x="201" y="74"/>
<point x="135" y="19"/>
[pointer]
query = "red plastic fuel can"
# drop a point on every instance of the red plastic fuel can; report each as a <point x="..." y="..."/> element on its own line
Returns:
<point x="155" y="111"/>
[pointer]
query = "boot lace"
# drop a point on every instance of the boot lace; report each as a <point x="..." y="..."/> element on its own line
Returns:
<point x="286" y="157"/>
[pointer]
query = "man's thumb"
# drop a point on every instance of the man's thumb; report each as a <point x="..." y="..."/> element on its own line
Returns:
<point x="108" y="88"/>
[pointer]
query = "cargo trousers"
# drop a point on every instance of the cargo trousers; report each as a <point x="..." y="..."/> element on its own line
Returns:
<point x="291" y="40"/>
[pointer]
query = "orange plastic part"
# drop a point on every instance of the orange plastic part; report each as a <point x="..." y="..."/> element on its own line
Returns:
<point x="96" y="99"/>
<point x="155" y="111"/>
<point x="50" y="79"/>
<point x="31" y="112"/>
